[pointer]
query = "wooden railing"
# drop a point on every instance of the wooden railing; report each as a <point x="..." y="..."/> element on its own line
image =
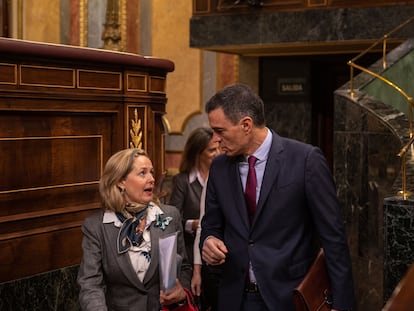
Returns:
<point x="64" y="111"/>
<point x="383" y="41"/>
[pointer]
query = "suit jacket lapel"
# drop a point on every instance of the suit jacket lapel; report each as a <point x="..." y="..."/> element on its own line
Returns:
<point x="273" y="165"/>
<point x="123" y="259"/>
<point x="153" y="268"/>
<point x="237" y="189"/>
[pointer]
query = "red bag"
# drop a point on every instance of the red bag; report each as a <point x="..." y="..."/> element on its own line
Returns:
<point x="189" y="306"/>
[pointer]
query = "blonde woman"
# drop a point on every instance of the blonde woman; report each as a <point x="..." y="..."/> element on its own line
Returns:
<point x="120" y="263"/>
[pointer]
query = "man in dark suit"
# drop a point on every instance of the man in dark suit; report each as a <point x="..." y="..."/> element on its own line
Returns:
<point x="266" y="256"/>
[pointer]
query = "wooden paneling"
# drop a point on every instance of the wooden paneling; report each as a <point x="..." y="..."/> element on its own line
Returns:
<point x="63" y="112"/>
<point x="47" y="76"/>
<point x="103" y="80"/>
<point x="201" y="6"/>
<point x="137" y="82"/>
<point x="357" y="3"/>
<point x="8" y="74"/>
<point x="213" y="7"/>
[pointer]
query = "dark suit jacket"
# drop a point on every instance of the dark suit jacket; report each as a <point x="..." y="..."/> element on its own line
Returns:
<point x="297" y="204"/>
<point x="186" y="197"/>
<point x="107" y="279"/>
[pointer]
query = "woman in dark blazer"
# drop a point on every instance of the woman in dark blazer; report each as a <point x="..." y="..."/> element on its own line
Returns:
<point x="120" y="263"/>
<point x="199" y="151"/>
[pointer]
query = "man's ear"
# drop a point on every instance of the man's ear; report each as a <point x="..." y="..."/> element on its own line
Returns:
<point x="246" y="124"/>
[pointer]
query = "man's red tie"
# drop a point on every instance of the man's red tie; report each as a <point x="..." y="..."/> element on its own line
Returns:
<point x="250" y="192"/>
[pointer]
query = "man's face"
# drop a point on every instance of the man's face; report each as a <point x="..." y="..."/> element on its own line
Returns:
<point x="232" y="138"/>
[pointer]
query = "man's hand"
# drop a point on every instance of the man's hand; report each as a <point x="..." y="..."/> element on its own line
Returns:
<point x="214" y="251"/>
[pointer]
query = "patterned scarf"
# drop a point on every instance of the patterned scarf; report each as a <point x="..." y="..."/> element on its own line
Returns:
<point x="130" y="219"/>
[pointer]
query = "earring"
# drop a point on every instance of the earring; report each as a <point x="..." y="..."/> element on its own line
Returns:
<point x="122" y="190"/>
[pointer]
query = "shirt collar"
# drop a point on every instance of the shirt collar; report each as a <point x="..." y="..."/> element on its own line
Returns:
<point x="195" y="175"/>
<point x="192" y="176"/>
<point x="262" y="152"/>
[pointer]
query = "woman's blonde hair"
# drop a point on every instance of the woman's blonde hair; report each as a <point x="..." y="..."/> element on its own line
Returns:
<point x="116" y="169"/>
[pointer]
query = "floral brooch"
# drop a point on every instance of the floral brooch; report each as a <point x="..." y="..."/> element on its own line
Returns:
<point x="162" y="223"/>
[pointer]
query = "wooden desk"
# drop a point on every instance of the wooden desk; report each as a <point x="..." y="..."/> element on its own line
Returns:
<point x="63" y="112"/>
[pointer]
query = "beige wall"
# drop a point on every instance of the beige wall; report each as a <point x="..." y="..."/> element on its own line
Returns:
<point x="170" y="39"/>
<point x="40" y="20"/>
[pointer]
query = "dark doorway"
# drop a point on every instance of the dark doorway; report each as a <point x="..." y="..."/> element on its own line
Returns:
<point x="298" y="92"/>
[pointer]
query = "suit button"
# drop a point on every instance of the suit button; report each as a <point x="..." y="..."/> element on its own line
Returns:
<point x="251" y="243"/>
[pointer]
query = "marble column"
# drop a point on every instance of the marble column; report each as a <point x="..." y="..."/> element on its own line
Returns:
<point x="53" y="291"/>
<point x="398" y="241"/>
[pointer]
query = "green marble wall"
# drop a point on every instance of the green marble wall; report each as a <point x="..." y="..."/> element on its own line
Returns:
<point x="398" y="241"/>
<point x="51" y="291"/>
<point x="401" y="74"/>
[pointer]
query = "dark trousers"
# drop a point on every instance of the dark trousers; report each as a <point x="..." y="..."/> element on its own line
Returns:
<point x="253" y="302"/>
<point x="210" y="280"/>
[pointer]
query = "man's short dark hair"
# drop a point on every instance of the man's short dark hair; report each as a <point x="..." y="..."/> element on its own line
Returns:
<point x="238" y="101"/>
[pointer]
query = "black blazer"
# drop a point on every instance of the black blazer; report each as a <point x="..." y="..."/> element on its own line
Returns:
<point x="297" y="205"/>
<point x="186" y="197"/>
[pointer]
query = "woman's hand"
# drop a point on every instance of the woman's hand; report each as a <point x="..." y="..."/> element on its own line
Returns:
<point x="173" y="295"/>
<point x="194" y="225"/>
<point x="196" y="280"/>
